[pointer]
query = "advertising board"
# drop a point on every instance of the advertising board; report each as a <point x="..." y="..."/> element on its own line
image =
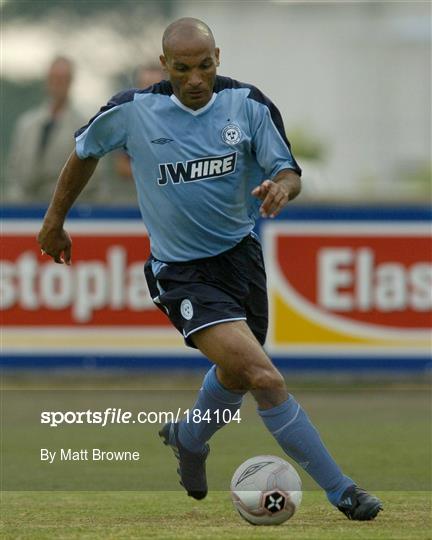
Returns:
<point x="342" y="292"/>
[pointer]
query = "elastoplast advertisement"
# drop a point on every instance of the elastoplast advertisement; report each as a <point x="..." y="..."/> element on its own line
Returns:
<point x="349" y="286"/>
<point x="337" y="289"/>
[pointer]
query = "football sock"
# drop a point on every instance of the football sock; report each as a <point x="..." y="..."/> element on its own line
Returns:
<point x="299" y="439"/>
<point x="213" y="400"/>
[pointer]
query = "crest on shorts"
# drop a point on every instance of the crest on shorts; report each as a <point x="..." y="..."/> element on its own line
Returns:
<point x="231" y="134"/>
<point x="186" y="309"/>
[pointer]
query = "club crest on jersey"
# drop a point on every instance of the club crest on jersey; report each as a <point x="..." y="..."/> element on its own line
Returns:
<point x="231" y="134"/>
<point x="197" y="169"/>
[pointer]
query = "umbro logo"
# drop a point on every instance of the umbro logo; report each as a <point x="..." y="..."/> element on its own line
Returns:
<point x="252" y="469"/>
<point x="162" y="140"/>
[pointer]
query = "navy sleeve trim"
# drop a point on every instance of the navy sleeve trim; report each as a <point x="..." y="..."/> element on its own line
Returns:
<point x="162" y="87"/>
<point x="118" y="99"/>
<point x="223" y="83"/>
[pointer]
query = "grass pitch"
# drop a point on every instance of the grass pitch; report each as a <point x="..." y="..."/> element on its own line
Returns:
<point x="172" y="515"/>
<point x="379" y="433"/>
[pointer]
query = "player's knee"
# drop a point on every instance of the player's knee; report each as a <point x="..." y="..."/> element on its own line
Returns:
<point x="268" y="388"/>
<point x="265" y="379"/>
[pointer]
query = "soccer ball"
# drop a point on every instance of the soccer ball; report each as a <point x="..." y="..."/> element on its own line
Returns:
<point x="266" y="490"/>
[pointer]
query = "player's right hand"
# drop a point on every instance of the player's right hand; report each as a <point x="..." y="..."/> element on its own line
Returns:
<point x="56" y="243"/>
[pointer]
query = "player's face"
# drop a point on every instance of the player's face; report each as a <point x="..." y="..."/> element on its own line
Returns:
<point x="191" y="69"/>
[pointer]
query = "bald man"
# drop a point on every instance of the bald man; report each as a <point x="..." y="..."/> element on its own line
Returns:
<point x="209" y="155"/>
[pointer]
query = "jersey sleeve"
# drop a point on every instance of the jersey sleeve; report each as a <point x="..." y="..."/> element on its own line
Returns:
<point x="106" y="131"/>
<point x="269" y="142"/>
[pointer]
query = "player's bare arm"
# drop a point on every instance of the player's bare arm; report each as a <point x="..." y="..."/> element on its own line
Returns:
<point x="276" y="193"/>
<point x="52" y="238"/>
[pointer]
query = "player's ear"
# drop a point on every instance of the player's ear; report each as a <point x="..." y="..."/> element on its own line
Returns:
<point x="163" y="61"/>
<point x="217" y="53"/>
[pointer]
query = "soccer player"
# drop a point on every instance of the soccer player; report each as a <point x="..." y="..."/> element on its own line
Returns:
<point x="209" y="154"/>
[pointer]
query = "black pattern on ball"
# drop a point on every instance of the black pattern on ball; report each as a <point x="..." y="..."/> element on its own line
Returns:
<point x="274" y="502"/>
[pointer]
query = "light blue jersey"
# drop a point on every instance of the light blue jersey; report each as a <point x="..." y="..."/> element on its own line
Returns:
<point x="194" y="170"/>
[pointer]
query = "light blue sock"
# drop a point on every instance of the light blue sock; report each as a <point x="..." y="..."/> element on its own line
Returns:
<point x="299" y="439"/>
<point x="212" y="397"/>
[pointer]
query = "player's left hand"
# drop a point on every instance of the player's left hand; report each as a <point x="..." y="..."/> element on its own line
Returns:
<point x="275" y="197"/>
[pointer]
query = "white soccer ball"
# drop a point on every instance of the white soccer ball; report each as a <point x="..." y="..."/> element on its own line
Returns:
<point x="266" y="490"/>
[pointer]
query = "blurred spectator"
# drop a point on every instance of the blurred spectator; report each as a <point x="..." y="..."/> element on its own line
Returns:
<point x="42" y="140"/>
<point x="144" y="75"/>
